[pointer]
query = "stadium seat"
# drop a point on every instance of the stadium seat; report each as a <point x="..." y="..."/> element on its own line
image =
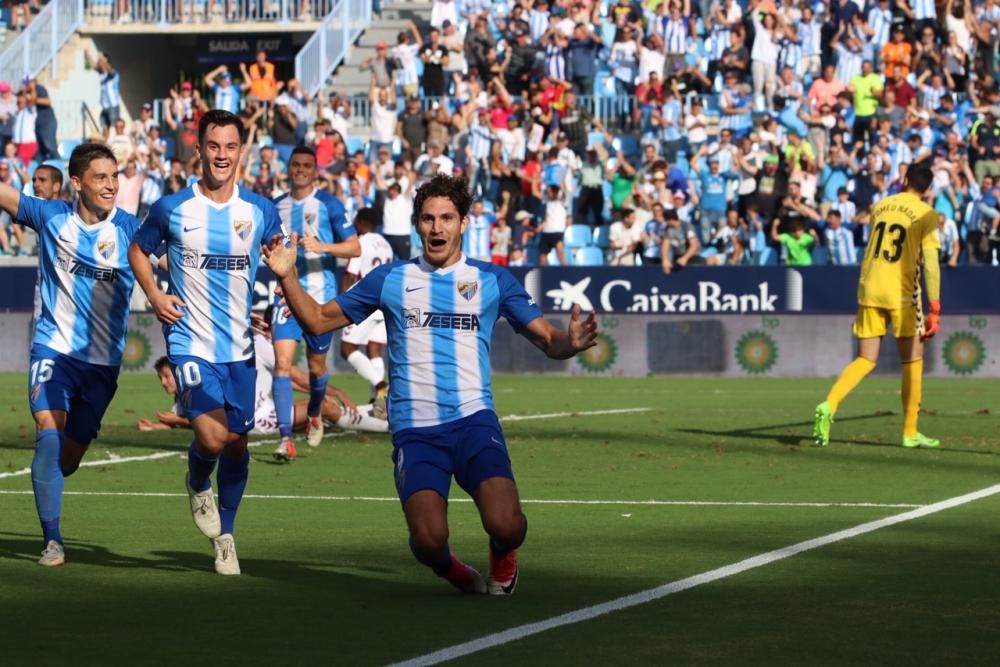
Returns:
<point x="602" y="237"/>
<point x="577" y="236"/>
<point x="66" y="147"/>
<point x="767" y="257"/>
<point x="710" y="251"/>
<point x="629" y="145"/>
<point x="589" y="256"/>
<point x="595" y="138"/>
<point x="820" y="255"/>
<point x="354" y="145"/>
<point x="553" y="258"/>
<point x="531" y="254"/>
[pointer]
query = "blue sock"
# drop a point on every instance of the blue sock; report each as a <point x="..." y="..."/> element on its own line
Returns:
<point x="200" y="468"/>
<point x="317" y="392"/>
<point x="47" y="482"/>
<point x="232" y="479"/>
<point x="281" y="389"/>
<point x="440" y="562"/>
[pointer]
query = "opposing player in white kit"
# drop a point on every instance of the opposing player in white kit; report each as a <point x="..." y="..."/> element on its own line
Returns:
<point x="367" y="336"/>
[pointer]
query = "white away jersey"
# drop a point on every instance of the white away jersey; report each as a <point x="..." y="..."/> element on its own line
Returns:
<point x="85" y="281"/>
<point x="213" y="251"/>
<point x="439" y="323"/>
<point x="375" y="251"/>
<point x="321" y="215"/>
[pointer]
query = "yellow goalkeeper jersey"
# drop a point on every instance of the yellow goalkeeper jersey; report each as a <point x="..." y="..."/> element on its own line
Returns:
<point x="902" y="226"/>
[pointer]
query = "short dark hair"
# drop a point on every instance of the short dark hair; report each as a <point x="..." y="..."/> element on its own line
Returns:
<point x="161" y="363"/>
<point x="366" y="217"/>
<point x="454" y="188"/>
<point x="670" y="214"/>
<point x="56" y="172"/>
<point x="834" y="212"/>
<point x="919" y="176"/>
<point x="84" y="154"/>
<point x="221" y="118"/>
<point x="303" y="150"/>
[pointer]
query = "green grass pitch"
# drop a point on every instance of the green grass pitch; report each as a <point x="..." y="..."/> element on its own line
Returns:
<point x="330" y="580"/>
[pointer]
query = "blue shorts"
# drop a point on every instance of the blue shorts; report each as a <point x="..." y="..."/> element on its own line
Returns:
<point x="81" y="389"/>
<point x="203" y="386"/>
<point x="287" y="328"/>
<point x="472" y="449"/>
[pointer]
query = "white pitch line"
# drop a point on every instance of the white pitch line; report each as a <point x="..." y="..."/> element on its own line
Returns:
<point x="337" y="434"/>
<point x="642" y="597"/>
<point x="582" y="413"/>
<point x="539" y="501"/>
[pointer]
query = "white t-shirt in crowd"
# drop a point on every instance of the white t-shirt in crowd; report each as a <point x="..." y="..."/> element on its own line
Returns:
<point x="396" y="216"/>
<point x="383" y="123"/>
<point x="555" y="217"/>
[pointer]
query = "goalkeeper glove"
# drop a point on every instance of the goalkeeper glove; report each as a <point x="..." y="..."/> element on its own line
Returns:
<point x="933" y="323"/>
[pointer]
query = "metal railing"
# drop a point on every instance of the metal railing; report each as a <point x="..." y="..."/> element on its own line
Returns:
<point x="38" y="45"/>
<point x="329" y="46"/>
<point x="160" y="12"/>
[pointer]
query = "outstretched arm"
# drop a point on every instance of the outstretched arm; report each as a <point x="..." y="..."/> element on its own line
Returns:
<point x="932" y="282"/>
<point x="313" y="317"/>
<point x="558" y="344"/>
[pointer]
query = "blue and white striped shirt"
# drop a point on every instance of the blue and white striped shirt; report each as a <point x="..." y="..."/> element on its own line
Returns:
<point x="324" y="216"/>
<point x="439" y="324"/>
<point x="555" y="61"/>
<point x="85" y="280"/>
<point x="674" y="36"/>
<point x="811" y="36"/>
<point x="848" y="64"/>
<point x="790" y="55"/>
<point x="947" y="238"/>
<point x="880" y="21"/>
<point x="109" y="90"/>
<point x="847" y="211"/>
<point x="213" y="251"/>
<point x="674" y="113"/>
<point x="930" y="97"/>
<point x="227" y="98"/>
<point x="24" y="126"/>
<point x="539" y="23"/>
<point x="923" y="9"/>
<point x="476" y="240"/>
<point x="480" y="140"/>
<point x="840" y="243"/>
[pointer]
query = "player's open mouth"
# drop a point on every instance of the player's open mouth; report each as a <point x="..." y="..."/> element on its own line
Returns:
<point x="437" y="244"/>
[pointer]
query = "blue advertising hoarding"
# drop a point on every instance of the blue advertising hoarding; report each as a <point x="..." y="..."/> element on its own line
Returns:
<point x="647" y="290"/>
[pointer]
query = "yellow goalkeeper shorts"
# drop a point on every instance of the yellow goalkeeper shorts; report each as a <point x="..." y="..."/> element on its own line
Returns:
<point x="873" y="322"/>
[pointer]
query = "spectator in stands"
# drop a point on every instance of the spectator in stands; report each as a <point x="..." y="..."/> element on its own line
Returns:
<point x="8" y="111"/>
<point x="680" y="243"/>
<point x="554" y="222"/>
<point x="46" y="124"/>
<point x="379" y="65"/>
<point x="110" y="82"/>
<point x="712" y="196"/>
<point x="261" y="77"/>
<point x="281" y="122"/>
<point x="731" y="241"/>
<point x="652" y="236"/>
<point x="798" y="244"/>
<point x="582" y="54"/>
<point x="948" y="237"/>
<point x="434" y="56"/>
<point x="226" y="94"/>
<point x="397" y="212"/>
<point x="839" y="240"/>
<point x="12" y="175"/>
<point x="25" y="137"/>
<point x="121" y="143"/>
<point x="130" y="181"/>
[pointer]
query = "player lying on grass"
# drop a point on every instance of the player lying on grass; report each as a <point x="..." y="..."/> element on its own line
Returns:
<point x="85" y="284"/>
<point x="440" y="309"/>
<point x="902" y="240"/>
<point x="337" y="408"/>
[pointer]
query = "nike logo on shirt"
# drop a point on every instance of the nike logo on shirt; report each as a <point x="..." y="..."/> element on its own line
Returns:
<point x="191" y="229"/>
<point x="414" y="289"/>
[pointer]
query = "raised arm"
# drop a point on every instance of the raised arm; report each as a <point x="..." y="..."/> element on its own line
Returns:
<point x="10" y="200"/>
<point x="313" y="317"/>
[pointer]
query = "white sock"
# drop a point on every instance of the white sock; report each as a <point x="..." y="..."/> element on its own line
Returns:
<point x="363" y="365"/>
<point x="362" y="422"/>
<point x="379" y="365"/>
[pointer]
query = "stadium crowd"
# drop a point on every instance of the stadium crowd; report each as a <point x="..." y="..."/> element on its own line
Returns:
<point x="667" y="132"/>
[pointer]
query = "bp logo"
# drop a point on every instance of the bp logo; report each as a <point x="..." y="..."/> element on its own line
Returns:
<point x="756" y="352"/>
<point x="137" y="351"/>
<point x="601" y="357"/>
<point x="964" y="353"/>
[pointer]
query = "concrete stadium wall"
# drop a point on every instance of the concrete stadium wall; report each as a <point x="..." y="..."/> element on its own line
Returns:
<point x="637" y="345"/>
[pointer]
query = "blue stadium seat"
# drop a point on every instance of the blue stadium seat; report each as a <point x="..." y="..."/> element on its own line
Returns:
<point x="589" y="256"/>
<point x="629" y="145"/>
<point x="531" y="254"/>
<point x="710" y="251"/>
<point x="354" y="145"/>
<point x="602" y="237"/>
<point x="820" y="255"/>
<point x="767" y="257"/>
<point x="577" y="236"/>
<point x="553" y="258"/>
<point x="595" y="138"/>
<point x="66" y="147"/>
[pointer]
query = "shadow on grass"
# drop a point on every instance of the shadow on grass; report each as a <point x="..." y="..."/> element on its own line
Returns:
<point x="795" y="440"/>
